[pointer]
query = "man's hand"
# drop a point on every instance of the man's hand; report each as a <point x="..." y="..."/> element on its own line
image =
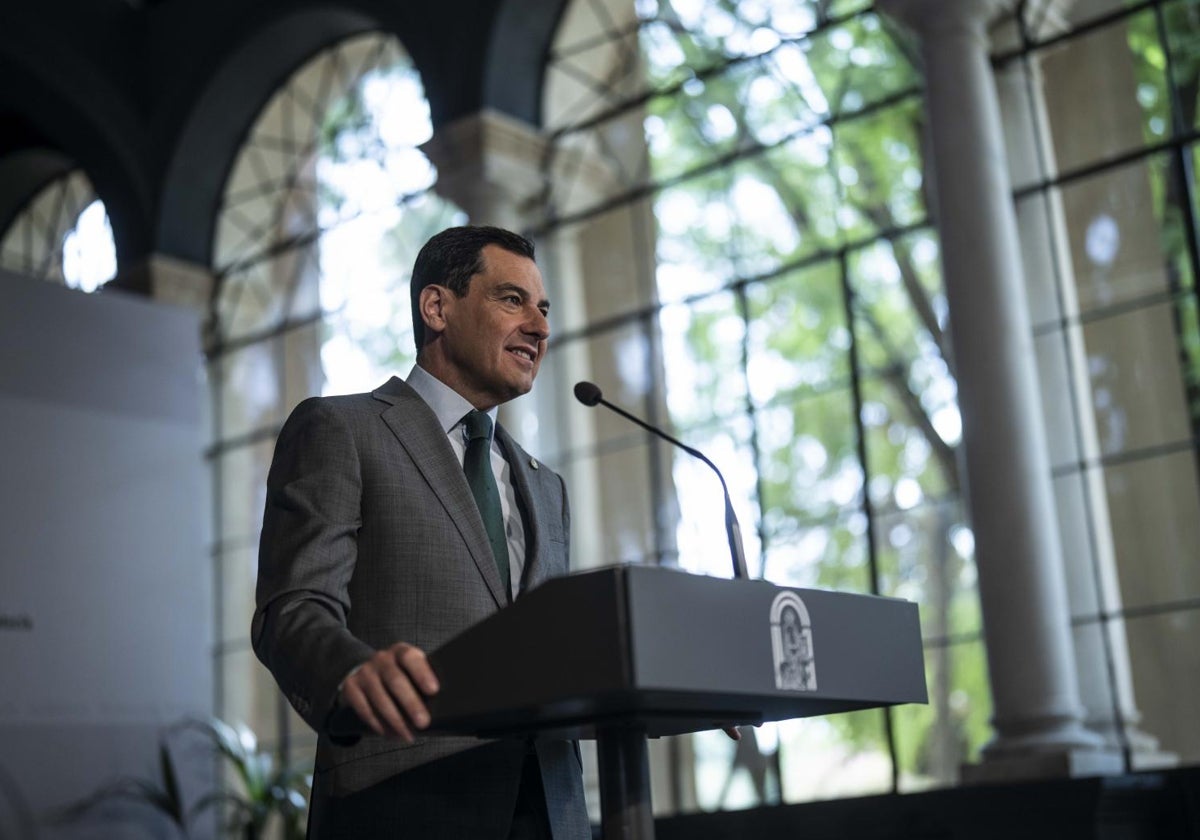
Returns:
<point x="388" y="690"/>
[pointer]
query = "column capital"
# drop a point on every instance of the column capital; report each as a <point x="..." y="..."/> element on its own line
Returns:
<point x="491" y="165"/>
<point x="169" y="279"/>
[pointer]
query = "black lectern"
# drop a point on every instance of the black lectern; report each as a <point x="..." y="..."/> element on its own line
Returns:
<point x="627" y="652"/>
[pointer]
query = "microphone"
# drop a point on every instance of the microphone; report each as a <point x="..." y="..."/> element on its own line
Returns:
<point x="590" y="395"/>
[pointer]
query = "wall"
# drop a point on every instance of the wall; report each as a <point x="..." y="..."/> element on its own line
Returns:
<point x="105" y="602"/>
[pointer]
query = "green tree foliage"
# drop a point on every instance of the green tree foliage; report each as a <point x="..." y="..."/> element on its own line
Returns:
<point x="361" y="148"/>
<point x="1168" y="89"/>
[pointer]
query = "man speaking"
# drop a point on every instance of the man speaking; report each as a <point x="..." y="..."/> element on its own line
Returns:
<point x="396" y="519"/>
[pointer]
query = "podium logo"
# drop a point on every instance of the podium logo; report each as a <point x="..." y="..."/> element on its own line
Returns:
<point x="792" y="644"/>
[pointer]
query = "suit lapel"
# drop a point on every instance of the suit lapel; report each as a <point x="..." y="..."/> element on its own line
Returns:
<point x="416" y="427"/>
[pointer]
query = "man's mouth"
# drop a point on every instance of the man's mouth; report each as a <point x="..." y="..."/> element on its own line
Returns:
<point x="524" y="353"/>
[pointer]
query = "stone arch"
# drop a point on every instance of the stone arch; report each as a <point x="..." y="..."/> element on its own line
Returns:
<point x="74" y="116"/>
<point x="223" y="113"/>
<point x="517" y="52"/>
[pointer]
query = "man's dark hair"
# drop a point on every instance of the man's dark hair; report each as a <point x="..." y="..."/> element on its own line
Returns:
<point x="452" y="258"/>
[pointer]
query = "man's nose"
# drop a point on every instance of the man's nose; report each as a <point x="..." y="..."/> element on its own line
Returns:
<point x="538" y="325"/>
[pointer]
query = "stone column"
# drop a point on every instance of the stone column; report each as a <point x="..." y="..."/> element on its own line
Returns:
<point x="1031" y="664"/>
<point x="1102" y="658"/>
<point x="490" y="165"/>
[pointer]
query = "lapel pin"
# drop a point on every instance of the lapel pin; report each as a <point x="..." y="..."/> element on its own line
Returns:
<point x="533" y="463"/>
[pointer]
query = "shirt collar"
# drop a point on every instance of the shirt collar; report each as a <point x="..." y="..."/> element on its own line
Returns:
<point x="449" y="405"/>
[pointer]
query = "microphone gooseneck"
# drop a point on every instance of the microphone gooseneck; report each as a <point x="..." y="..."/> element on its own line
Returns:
<point x="590" y="395"/>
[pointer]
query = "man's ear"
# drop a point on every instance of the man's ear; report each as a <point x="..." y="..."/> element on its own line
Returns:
<point x="432" y="303"/>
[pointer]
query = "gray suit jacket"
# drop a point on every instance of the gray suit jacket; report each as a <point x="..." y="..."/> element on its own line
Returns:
<point x="371" y="536"/>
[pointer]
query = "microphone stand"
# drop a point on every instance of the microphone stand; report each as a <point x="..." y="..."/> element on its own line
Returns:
<point x="590" y="395"/>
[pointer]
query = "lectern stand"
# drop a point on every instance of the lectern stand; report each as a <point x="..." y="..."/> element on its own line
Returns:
<point x="629" y="652"/>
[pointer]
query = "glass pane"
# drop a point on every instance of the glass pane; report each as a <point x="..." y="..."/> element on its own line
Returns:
<point x="899" y="303"/>
<point x="238" y="573"/>
<point x="703" y="543"/>
<point x="698" y="232"/>
<point x="1183" y="37"/>
<point x="613" y="281"/>
<point x="261" y="383"/>
<point x="1137" y="385"/>
<point x="614" y="491"/>
<point x="1155" y="528"/>
<point x="780" y="100"/>
<point x="797" y="335"/>
<point x="826" y="555"/>
<point x="834" y="756"/>
<point x="879" y="165"/>
<point x="768" y="213"/>
<point x="857" y="63"/>
<point x="933" y="741"/>
<point x="248" y="692"/>
<point x="702" y="354"/>
<point x="1188" y="313"/>
<point x="63" y="235"/>
<point x="621" y="364"/>
<point x="1166" y="678"/>
<point x="923" y="558"/>
<point x="366" y="263"/>
<point x="810" y="468"/>
<point x="264" y="292"/>
<point x="1124" y="235"/>
<point x="242" y="473"/>
<point x="732" y="776"/>
<point x="907" y="460"/>
<point x="580" y="82"/>
<point x="799" y="172"/>
<point x="248" y="382"/>
<point x="1105" y="92"/>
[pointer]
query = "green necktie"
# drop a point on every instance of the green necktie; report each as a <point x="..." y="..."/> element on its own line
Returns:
<point x="478" y="466"/>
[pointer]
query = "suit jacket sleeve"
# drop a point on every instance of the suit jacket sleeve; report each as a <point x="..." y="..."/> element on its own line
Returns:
<point x="307" y="555"/>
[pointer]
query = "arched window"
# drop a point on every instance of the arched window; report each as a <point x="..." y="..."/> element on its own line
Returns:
<point x="62" y="235"/>
<point x="323" y="212"/>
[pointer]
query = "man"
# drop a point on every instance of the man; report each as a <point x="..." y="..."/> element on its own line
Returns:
<point x="387" y="532"/>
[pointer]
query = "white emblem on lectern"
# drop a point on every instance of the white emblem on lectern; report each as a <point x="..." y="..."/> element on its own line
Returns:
<point x="792" y="644"/>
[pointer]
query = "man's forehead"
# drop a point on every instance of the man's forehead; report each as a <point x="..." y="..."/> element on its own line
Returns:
<point x="502" y="267"/>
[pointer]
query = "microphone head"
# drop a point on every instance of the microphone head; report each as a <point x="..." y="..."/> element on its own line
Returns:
<point x="588" y="393"/>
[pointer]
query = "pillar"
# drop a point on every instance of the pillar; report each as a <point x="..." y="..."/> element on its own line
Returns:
<point x="1090" y="559"/>
<point x="1038" y="717"/>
